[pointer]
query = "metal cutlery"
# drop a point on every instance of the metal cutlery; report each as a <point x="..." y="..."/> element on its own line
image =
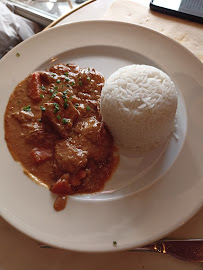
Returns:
<point x="190" y="250"/>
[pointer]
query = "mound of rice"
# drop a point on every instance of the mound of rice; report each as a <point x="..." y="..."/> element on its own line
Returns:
<point x="138" y="105"/>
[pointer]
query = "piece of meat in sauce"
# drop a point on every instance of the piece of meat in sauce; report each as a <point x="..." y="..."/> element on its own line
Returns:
<point x="68" y="157"/>
<point x="37" y="83"/>
<point x="93" y="137"/>
<point x="60" y="114"/>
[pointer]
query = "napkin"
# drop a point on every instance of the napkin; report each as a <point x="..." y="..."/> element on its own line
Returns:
<point x="189" y="34"/>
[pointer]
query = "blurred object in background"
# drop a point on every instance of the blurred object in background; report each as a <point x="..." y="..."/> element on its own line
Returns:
<point x="20" y="19"/>
<point x="44" y="12"/>
<point x="13" y="28"/>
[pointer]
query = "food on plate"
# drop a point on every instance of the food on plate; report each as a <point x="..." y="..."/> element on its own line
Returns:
<point x="53" y="127"/>
<point x="138" y="105"/>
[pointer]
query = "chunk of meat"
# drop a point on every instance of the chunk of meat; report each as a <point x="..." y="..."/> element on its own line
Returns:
<point x="35" y="133"/>
<point x="98" y="151"/>
<point x="68" y="157"/>
<point x="60" y="114"/>
<point x="40" y="155"/>
<point x="91" y="129"/>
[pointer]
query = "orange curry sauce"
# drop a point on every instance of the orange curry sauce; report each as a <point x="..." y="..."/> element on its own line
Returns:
<point x="53" y="127"/>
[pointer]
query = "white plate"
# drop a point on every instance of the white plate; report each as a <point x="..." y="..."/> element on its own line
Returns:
<point x="132" y="215"/>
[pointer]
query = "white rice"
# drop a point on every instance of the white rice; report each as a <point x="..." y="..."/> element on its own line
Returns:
<point x="138" y="105"/>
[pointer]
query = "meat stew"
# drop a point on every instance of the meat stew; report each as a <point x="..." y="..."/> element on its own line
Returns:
<point x="53" y="127"/>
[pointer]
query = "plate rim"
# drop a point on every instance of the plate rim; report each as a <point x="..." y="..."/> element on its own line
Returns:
<point x="12" y="220"/>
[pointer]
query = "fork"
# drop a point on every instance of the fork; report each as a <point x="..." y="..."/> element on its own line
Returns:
<point x="190" y="250"/>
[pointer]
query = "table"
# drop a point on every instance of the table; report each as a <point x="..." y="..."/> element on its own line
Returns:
<point x="19" y="252"/>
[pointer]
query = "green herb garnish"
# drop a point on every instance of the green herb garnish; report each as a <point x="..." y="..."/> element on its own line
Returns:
<point x="72" y="83"/>
<point x="58" y="81"/>
<point x="88" y="108"/>
<point x="43" y="109"/>
<point x="53" y="75"/>
<point x="17" y="54"/>
<point x="114" y="243"/>
<point x="66" y="73"/>
<point x="56" y="106"/>
<point x="54" y="94"/>
<point x="65" y="105"/>
<point x="58" y="116"/>
<point x="41" y="96"/>
<point x="42" y="87"/>
<point x="88" y="78"/>
<point x="56" y="87"/>
<point x="80" y="83"/>
<point x="27" y="108"/>
<point x="65" y="120"/>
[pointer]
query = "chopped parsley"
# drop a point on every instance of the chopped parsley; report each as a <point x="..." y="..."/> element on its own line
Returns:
<point x="51" y="90"/>
<point x="41" y="96"/>
<point x="66" y="73"/>
<point x="53" y="75"/>
<point x="66" y="79"/>
<point x="65" y="120"/>
<point x="58" y="81"/>
<point x="56" y="107"/>
<point x="27" y="108"/>
<point x="56" y="87"/>
<point x="64" y="94"/>
<point x="80" y="83"/>
<point x="43" y="109"/>
<point x="65" y="105"/>
<point x="88" y="78"/>
<point x="17" y="54"/>
<point x="72" y="83"/>
<point x="67" y="85"/>
<point x="70" y="97"/>
<point x="54" y="94"/>
<point x="88" y="108"/>
<point x="40" y="120"/>
<point x="114" y="243"/>
<point x="42" y="87"/>
<point x="58" y="116"/>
